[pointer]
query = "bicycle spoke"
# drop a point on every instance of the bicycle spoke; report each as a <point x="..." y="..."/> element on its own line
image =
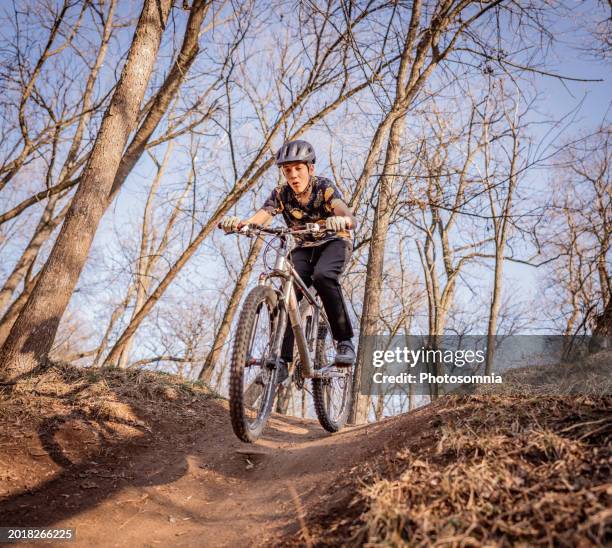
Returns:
<point x="256" y="376"/>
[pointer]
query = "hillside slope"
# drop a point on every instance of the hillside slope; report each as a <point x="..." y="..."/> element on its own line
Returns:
<point x="132" y="458"/>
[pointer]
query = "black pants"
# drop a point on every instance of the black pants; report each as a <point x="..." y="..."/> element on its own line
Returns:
<point x="322" y="266"/>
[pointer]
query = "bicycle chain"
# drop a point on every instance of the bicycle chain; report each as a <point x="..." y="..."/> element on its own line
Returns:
<point x="298" y="377"/>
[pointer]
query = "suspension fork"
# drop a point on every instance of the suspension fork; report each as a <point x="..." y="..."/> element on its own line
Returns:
<point x="288" y="310"/>
<point x="291" y="304"/>
<point x="279" y="332"/>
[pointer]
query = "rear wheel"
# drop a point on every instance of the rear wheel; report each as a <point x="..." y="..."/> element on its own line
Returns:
<point x="332" y="396"/>
<point x="253" y="373"/>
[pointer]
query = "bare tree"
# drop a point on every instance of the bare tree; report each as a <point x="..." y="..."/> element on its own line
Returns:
<point x="576" y="240"/>
<point x="500" y="203"/>
<point x="329" y="70"/>
<point x="427" y="42"/>
<point x="32" y="335"/>
<point x="444" y="33"/>
<point x="230" y="311"/>
<point x="86" y="211"/>
<point x="38" y="126"/>
<point x="49" y="218"/>
<point x="153" y="241"/>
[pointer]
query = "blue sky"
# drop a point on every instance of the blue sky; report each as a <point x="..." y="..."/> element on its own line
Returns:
<point x="557" y="99"/>
<point x="203" y="272"/>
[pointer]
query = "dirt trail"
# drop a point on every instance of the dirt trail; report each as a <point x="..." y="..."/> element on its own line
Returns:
<point x="133" y="458"/>
<point x="194" y="484"/>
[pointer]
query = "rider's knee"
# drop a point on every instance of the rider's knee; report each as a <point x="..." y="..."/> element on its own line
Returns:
<point x="323" y="277"/>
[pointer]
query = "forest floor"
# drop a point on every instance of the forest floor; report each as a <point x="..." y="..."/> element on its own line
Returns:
<point x="132" y="458"/>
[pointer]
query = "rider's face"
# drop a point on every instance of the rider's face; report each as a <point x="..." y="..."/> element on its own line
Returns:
<point x="297" y="175"/>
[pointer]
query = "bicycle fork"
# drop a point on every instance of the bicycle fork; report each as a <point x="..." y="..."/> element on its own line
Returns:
<point x="291" y="305"/>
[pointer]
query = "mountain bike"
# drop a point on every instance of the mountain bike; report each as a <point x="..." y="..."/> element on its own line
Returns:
<point x="256" y="363"/>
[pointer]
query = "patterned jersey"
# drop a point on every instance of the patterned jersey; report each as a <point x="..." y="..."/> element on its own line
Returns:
<point x="319" y="206"/>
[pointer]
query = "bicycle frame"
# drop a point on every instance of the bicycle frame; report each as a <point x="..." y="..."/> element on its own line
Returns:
<point x="290" y="278"/>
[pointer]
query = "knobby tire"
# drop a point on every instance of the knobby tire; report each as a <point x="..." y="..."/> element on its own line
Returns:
<point x="322" y="405"/>
<point x="245" y="430"/>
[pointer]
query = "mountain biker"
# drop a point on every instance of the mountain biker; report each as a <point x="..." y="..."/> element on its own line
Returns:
<point x="319" y="259"/>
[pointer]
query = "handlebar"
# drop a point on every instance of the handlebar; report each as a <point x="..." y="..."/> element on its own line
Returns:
<point x="308" y="228"/>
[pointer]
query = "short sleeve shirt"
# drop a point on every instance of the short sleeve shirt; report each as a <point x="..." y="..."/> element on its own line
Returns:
<point x="319" y="207"/>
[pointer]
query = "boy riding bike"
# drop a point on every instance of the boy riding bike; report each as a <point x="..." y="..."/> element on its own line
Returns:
<point x="319" y="259"/>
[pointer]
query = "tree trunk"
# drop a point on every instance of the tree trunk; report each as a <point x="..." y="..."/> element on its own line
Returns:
<point x="147" y="258"/>
<point x="253" y="391"/>
<point x="603" y="323"/>
<point x="380" y="406"/>
<point x="189" y="51"/>
<point x="283" y="398"/>
<point x="494" y="308"/>
<point x="501" y="226"/>
<point x="374" y="276"/>
<point x="602" y="334"/>
<point x="117" y="313"/>
<point x="32" y="334"/>
<point x="414" y="70"/>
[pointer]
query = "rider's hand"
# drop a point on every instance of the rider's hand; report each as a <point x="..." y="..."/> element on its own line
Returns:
<point x="337" y="223"/>
<point x="231" y="224"/>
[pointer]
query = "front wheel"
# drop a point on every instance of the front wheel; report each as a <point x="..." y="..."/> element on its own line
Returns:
<point x="253" y="372"/>
<point x="332" y="396"/>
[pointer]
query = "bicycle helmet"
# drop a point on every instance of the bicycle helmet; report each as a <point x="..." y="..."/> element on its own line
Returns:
<point x="296" y="151"/>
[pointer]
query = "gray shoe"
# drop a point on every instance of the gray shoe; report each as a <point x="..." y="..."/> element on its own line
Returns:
<point x="345" y="354"/>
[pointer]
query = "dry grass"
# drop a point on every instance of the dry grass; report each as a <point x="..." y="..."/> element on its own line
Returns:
<point x="61" y="389"/>
<point x="511" y="471"/>
<point x="491" y="469"/>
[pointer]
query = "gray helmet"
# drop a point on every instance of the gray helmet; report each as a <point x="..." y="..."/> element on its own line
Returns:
<point x="296" y="151"/>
